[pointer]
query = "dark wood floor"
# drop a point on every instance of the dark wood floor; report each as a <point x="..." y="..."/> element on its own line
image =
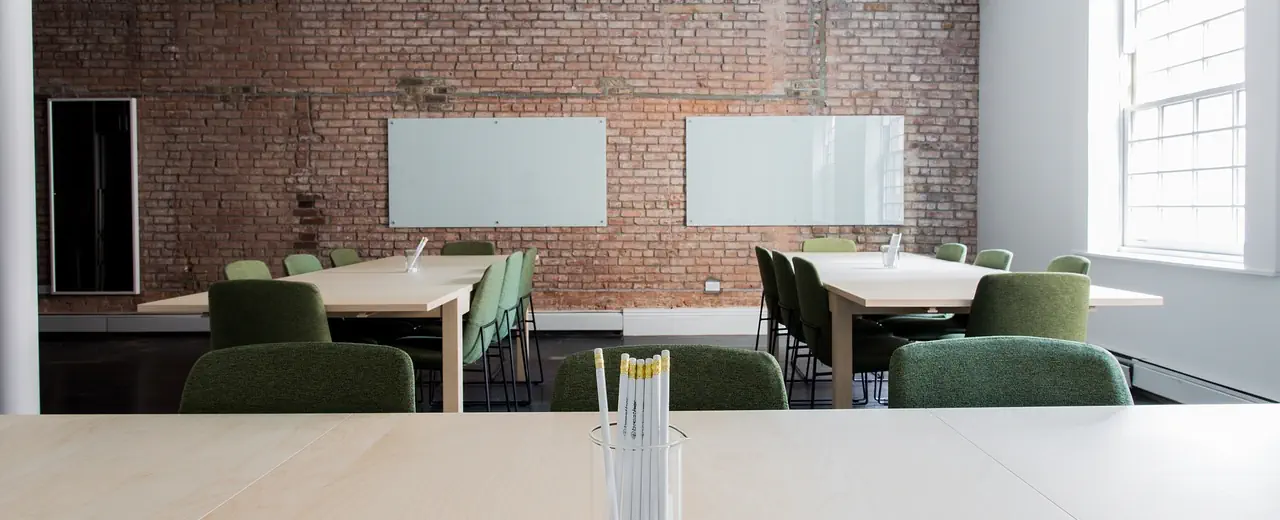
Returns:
<point x="91" y="374"/>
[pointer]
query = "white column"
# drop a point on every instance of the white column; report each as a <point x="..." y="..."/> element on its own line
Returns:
<point x="19" y="332"/>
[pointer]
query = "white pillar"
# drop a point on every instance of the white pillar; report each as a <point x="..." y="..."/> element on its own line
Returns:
<point x="19" y="330"/>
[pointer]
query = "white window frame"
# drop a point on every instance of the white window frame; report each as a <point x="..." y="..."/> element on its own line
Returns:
<point x="1164" y="246"/>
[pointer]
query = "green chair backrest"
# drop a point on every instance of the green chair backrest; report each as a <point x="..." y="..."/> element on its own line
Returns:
<point x="301" y="378"/>
<point x="951" y="252"/>
<point x="509" y="298"/>
<point x="1001" y="259"/>
<point x="1043" y="305"/>
<point x="1001" y="371"/>
<point x="526" y="274"/>
<point x="788" y="298"/>
<point x="702" y="378"/>
<point x="248" y="270"/>
<point x="829" y="245"/>
<point x="1069" y="264"/>
<point x="301" y="264"/>
<point x="768" y="279"/>
<point x="469" y="248"/>
<point x="815" y="311"/>
<point x="343" y="257"/>
<point x="251" y="312"/>
<point x="480" y="327"/>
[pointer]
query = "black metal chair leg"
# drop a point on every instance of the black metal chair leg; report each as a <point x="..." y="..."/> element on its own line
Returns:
<point x="502" y="369"/>
<point x="488" y="379"/>
<point x="759" y="323"/>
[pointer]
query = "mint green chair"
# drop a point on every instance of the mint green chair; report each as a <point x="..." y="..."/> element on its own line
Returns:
<point x="994" y="259"/>
<point x="248" y="270"/>
<point x="301" y="378"/>
<point x="829" y="245"/>
<point x="702" y="378"/>
<point x="952" y="252"/>
<point x="1043" y="305"/>
<point x="529" y="317"/>
<point x="344" y="257"/>
<point x="1069" y="264"/>
<point x="251" y="312"/>
<point x="872" y="344"/>
<point x="301" y="264"/>
<point x="509" y="319"/>
<point x="468" y="248"/>
<point x="1005" y="371"/>
<point x="479" y="330"/>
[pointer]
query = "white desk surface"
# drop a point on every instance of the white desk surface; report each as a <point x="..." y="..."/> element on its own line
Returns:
<point x="1179" y="462"/>
<point x="376" y="286"/>
<point x="926" y="282"/>
<point x="1174" y="462"/>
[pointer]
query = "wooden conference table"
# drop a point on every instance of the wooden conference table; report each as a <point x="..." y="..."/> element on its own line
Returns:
<point x="858" y="284"/>
<point x="441" y="288"/>
<point x="1123" y="463"/>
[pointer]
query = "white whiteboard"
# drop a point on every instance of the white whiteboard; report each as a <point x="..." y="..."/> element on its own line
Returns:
<point x="497" y="172"/>
<point x="794" y="171"/>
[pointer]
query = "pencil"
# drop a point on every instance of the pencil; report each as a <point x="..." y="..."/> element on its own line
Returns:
<point x="602" y="396"/>
<point x="664" y="426"/>
<point x="625" y="386"/>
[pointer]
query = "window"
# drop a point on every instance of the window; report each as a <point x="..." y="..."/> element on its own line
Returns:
<point x="1185" y="127"/>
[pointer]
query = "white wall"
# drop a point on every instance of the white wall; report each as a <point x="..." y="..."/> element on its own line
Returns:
<point x="1033" y="195"/>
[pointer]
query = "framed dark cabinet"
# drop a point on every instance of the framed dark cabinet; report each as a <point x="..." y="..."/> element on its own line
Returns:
<point x="93" y="196"/>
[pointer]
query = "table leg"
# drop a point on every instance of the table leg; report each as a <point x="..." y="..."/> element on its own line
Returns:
<point x="451" y="367"/>
<point x="841" y="352"/>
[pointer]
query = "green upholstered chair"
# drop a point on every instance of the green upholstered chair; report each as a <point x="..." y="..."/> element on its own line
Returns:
<point x="248" y="270"/>
<point x="768" y="300"/>
<point x="1069" y="264"/>
<point x="999" y="371"/>
<point x="952" y="252"/>
<point x="479" y="330"/>
<point x="529" y="317"/>
<point x="789" y="315"/>
<point x="344" y="257"/>
<point x="702" y="378"/>
<point x="251" y="312"/>
<point x="1043" y="305"/>
<point x="295" y="265"/>
<point x="1001" y="259"/>
<point x="829" y="245"/>
<point x="509" y="319"/>
<point x="468" y="247"/>
<point x="301" y="378"/>
<point x="872" y="344"/>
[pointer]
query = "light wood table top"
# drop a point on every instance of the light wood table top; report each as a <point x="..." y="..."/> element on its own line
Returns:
<point x="1117" y="463"/>
<point x="374" y="287"/>
<point x="1175" y="462"/>
<point x="924" y="282"/>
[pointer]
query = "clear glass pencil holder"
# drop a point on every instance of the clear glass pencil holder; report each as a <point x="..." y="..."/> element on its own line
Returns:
<point x="649" y="478"/>
<point x="890" y="257"/>
<point x="410" y="262"/>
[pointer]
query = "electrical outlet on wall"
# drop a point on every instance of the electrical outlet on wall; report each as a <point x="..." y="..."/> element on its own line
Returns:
<point x="712" y="286"/>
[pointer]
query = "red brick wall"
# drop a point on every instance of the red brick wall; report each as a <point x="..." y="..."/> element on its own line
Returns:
<point x="263" y="123"/>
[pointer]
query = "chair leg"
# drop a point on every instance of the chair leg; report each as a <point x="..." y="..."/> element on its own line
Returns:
<point x="532" y="323"/>
<point x="813" y="382"/>
<point x="508" y="377"/>
<point x="488" y="379"/>
<point x="760" y="322"/>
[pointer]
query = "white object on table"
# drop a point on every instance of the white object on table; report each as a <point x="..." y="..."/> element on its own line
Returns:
<point x="411" y="262"/>
<point x="602" y="396"/>
<point x="857" y="285"/>
<point x="441" y="288"/>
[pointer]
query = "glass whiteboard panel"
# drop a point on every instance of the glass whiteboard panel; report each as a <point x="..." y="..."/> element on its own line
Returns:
<point x="497" y="172"/>
<point x="794" y="171"/>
